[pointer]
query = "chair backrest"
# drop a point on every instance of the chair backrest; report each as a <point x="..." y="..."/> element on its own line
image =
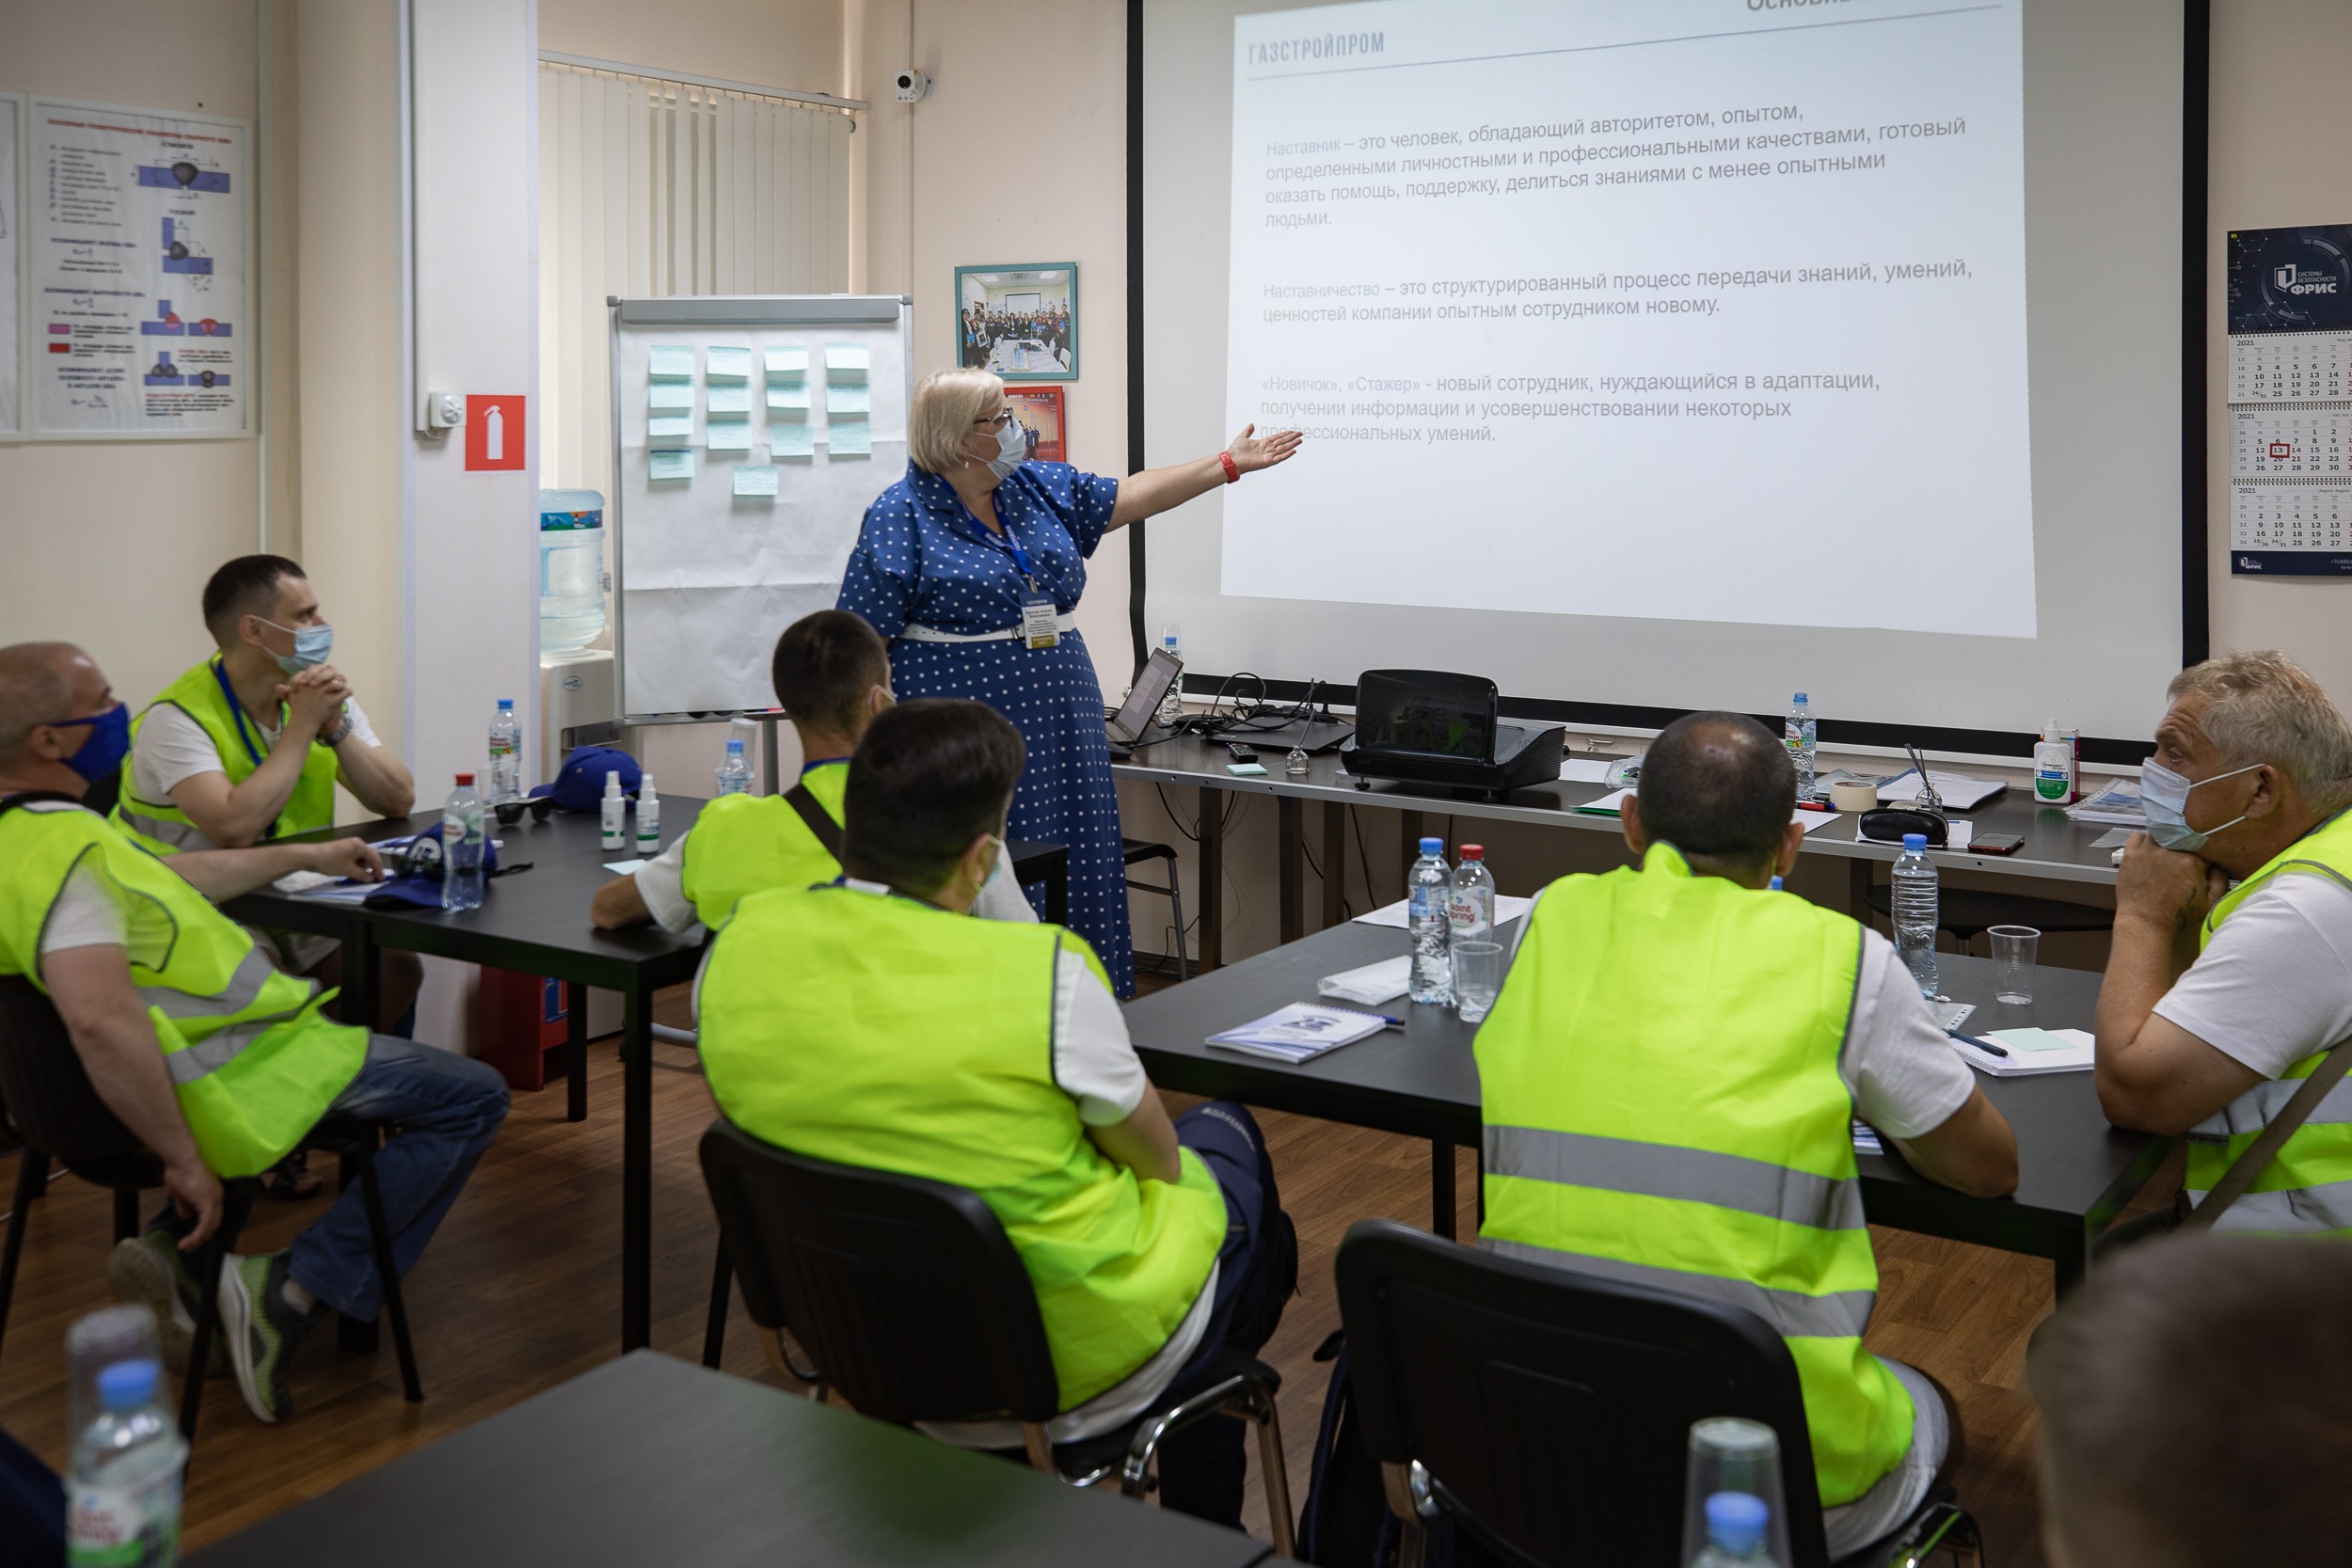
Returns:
<point x="906" y="1293"/>
<point x="1555" y="1408"/>
<point x="49" y="1096"/>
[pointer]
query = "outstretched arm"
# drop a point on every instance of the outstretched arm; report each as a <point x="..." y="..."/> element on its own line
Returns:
<point x="1155" y="490"/>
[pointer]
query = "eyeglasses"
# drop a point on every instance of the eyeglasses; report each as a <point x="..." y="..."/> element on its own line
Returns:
<point x="997" y="423"/>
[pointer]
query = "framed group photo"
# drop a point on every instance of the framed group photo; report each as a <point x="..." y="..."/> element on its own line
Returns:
<point x="1021" y="322"/>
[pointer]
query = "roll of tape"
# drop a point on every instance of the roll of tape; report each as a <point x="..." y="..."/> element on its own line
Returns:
<point x="1853" y="797"/>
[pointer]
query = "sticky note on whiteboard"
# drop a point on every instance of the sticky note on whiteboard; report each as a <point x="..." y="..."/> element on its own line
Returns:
<point x="755" y="479"/>
<point x="846" y="361"/>
<point x="669" y="464"/>
<point x="791" y="395"/>
<point x="849" y="438"/>
<point x="847" y="400"/>
<point x="729" y="400"/>
<point x="728" y="436"/>
<point x="670" y="362"/>
<point x="791" y="441"/>
<point x="670" y="430"/>
<point x="670" y="394"/>
<point x="786" y="364"/>
<point x="727" y="362"/>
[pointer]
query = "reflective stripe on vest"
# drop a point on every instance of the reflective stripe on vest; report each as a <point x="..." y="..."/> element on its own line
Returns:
<point x="2308" y="1187"/>
<point x="252" y="1061"/>
<point x="884" y="1033"/>
<point x="163" y="826"/>
<point x="1664" y="1107"/>
<point x="744" y="843"/>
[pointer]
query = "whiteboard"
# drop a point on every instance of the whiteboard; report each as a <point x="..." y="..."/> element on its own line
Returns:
<point x="703" y="580"/>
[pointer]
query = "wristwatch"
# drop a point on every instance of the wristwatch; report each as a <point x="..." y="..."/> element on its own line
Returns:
<point x="337" y="735"/>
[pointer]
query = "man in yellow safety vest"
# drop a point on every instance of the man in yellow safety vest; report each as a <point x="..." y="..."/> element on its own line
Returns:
<point x="218" y="1061"/>
<point x="1669" y="1076"/>
<point x="870" y="1022"/>
<point x="2229" y="973"/>
<point x="832" y="675"/>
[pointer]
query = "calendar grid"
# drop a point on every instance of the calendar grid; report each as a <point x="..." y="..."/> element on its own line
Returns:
<point x="2291" y="367"/>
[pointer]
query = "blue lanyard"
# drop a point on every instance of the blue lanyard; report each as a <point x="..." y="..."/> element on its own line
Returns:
<point x="220" y="674"/>
<point x="1020" y="556"/>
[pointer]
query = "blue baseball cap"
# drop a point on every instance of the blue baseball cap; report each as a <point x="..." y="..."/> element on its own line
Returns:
<point x="419" y="885"/>
<point x="579" y="785"/>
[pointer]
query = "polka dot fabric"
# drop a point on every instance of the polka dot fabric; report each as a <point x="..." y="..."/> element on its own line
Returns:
<point x="922" y="559"/>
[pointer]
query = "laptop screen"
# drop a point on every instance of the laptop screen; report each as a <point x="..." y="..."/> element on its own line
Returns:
<point x="1159" y="673"/>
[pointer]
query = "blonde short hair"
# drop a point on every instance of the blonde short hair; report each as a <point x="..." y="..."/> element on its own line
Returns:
<point x="2263" y="707"/>
<point x="946" y="404"/>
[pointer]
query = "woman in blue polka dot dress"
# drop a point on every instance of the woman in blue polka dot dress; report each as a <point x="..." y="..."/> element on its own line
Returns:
<point x="975" y="559"/>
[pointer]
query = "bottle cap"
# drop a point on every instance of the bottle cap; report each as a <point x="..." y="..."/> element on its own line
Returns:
<point x="611" y="781"/>
<point x="644" y="788"/>
<point x="1802" y="698"/>
<point x="1736" y="1520"/>
<point x="1915" y="841"/>
<point x="127" y="1384"/>
<point x="1472" y="851"/>
<point x="506" y="703"/>
<point x="466" y="779"/>
<point x="1433" y="847"/>
<point x="735" y="743"/>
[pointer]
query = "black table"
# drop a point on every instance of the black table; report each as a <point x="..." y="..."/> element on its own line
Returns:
<point x="2076" y="1172"/>
<point x="2055" y="846"/>
<point x="535" y="922"/>
<point x="646" y="1460"/>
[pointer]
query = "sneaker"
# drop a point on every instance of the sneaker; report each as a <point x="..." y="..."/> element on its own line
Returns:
<point x="264" y="1330"/>
<point x="151" y="1270"/>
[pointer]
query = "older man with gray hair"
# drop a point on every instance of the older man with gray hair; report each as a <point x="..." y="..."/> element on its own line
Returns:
<point x="2231" y="972"/>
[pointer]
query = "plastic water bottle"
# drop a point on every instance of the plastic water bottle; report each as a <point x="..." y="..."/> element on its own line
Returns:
<point x="571" y="569"/>
<point x="734" y="773"/>
<point x="1916" y="914"/>
<point x="1430" y="886"/>
<point x="648" y="819"/>
<point x="1735" y="1524"/>
<point x="1171" y="705"/>
<point x="506" y="755"/>
<point x="463" y="840"/>
<point x="1470" y="906"/>
<point x="1801" y="735"/>
<point x="123" y="1487"/>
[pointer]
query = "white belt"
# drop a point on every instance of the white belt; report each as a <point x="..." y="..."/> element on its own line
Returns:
<point x="1063" y="624"/>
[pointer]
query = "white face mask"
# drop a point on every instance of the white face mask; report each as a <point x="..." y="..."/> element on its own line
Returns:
<point x="1012" y="448"/>
<point x="2164" y="795"/>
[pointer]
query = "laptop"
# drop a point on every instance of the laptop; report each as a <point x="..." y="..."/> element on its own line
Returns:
<point x="1138" y="716"/>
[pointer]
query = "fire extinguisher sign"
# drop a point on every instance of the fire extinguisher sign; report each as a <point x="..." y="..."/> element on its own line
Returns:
<point x="494" y="430"/>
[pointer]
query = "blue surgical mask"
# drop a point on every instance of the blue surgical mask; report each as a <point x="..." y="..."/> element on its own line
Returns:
<point x="2164" y="795"/>
<point x="312" y="646"/>
<point x="1013" y="448"/>
<point x="109" y="742"/>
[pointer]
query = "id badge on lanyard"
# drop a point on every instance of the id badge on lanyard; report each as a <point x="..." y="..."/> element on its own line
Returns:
<point x="1041" y="626"/>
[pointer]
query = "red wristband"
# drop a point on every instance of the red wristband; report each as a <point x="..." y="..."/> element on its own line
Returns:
<point x="1232" y="475"/>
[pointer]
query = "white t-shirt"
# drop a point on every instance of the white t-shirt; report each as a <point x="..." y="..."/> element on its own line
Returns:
<point x="662" y="883"/>
<point x="173" y="748"/>
<point x="2275" y="983"/>
<point x="1905" y="1077"/>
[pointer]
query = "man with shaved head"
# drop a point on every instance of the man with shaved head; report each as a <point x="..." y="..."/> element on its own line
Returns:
<point x="216" y="1059"/>
<point x="1669" y="1076"/>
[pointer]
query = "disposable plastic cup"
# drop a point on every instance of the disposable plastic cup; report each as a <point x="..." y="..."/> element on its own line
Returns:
<point x="1734" y="1475"/>
<point x="2013" y="950"/>
<point x="1477" y="978"/>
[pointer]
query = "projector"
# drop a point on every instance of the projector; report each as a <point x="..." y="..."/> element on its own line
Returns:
<point x="1435" y="727"/>
<point x="914" y="86"/>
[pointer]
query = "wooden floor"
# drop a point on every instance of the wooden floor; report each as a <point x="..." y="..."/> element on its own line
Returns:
<point x="521" y="1291"/>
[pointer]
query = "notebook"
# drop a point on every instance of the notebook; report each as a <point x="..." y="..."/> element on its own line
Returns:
<point x="1300" y="1032"/>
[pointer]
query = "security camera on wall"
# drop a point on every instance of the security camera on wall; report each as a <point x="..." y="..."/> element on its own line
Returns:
<point x="914" y="86"/>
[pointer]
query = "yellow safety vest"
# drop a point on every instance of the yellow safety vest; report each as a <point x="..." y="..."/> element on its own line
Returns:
<point x="2306" y="1189"/>
<point x="743" y="844"/>
<point x="1663" y="1105"/>
<point x="200" y="693"/>
<point x="252" y="1060"/>
<point x="881" y="1032"/>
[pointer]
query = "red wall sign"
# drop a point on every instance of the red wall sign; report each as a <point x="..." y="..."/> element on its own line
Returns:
<point x="494" y="430"/>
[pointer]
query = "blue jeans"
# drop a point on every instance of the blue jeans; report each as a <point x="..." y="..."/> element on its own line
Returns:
<point x="1203" y="1468"/>
<point x="443" y="1110"/>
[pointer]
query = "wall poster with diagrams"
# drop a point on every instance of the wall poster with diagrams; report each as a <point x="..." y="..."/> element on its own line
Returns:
<point x="2291" y="402"/>
<point x="141" y="300"/>
<point x="12" y="249"/>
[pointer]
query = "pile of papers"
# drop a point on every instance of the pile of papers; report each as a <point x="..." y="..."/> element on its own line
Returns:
<point x="2028" y="1053"/>
<point x="1372" y="984"/>
<point x="1613" y="804"/>
<point x="1399" y="914"/>
<point x="2118" y="804"/>
<point x="1300" y="1032"/>
<point x="1956" y="792"/>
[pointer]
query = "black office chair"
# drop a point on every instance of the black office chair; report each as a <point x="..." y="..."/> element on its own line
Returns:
<point x="1966" y="910"/>
<point x="57" y="1113"/>
<point x="911" y="1300"/>
<point x="1548" y="1413"/>
<point x="1144" y="850"/>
